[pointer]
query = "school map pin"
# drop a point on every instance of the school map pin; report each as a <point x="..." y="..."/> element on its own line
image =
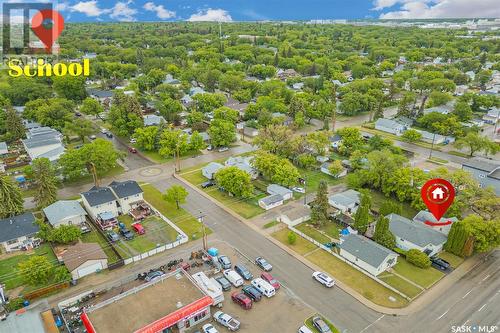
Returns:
<point x="438" y="195"/>
<point x="47" y="25"/>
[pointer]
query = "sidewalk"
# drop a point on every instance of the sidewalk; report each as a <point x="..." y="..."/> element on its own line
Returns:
<point x="423" y="300"/>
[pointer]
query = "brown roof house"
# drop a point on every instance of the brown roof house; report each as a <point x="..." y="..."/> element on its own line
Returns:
<point x="84" y="258"/>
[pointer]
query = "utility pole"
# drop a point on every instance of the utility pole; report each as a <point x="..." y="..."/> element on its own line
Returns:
<point x="432" y="146"/>
<point x="496" y="124"/>
<point x="205" y="242"/>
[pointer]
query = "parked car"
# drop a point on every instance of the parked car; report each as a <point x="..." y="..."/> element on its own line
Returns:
<point x="139" y="228"/>
<point x="304" y="329"/>
<point x="210" y="148"/>
<point x="103" y="130"/>
<point x="84" y="228"/>
<point x="222" y="149"/>
<point x="132" y="150"/>
<point x="439" y="263"/>
<point x="298" y="189"/>
<point x="227" y="321"/>
<point x="242" y="300"/>
<point x="109" y="134"/>
<point x="271" y="280"/>
<point x="112" y="236"/>
<point x="224" y="283"/>
<point x="154" y="275"/>
<point x="209" y="328"/>
<point x="127" y="234"/>
<point x="262" y="263"/>
<point x="264" y="287"/>
<point x="225" y="262"/>
<point x="78" y="114"/>
<point x="243" y="271"/>
<point x="133" y="140"/>
<point x="324" y="279"/>
<point x="208" y="183"/>
<point x="92" y="137"/>
<point x="252" y="292"/>
<point x="233" y="277"/>
<point x="320" y="325"/>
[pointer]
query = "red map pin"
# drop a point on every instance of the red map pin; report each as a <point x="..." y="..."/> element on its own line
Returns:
<point x="438" y="195"/>
<point x="47" y="25"/>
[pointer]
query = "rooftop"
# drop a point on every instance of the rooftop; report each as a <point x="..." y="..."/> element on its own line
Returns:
<point x="277" y="189"/>
<point x="415" y="233"/>
<point x="389" y="123"/>
<point x="363" y="248"/>
<point x="272" y="199"/>
<point x="18" y="226"/>
<point x="80" y="253"/>
<point x="62" y="209"/>
<point x="126" y="188"/>
<point x="424" y="216"/>
<point x="136" y="308"/>
<point x="98" y="195"/>
<point x="346" y="198"/>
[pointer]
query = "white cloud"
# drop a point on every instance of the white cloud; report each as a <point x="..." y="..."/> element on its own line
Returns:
<point x="421" y="9"/>
<point x="123" y="12"/>
<point x="61" y="6"/>
<point x="161" y="11"/>
<point x="89" y="8"/>
<point x="218" y="15"/>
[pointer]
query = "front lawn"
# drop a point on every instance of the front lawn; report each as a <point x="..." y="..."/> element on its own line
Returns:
<point x="370" y="289"/>
<point x="424" y="277"/>
<point x="310" y="325"/>
<point x="314" y="177"/>
<point x="10" y="274"/>
<point x="310" y="231"/>
<point x="270" y="224"/>
<point x="301" y="245"/>
<point x="454" y="260"/>
<point x="88" y="178"/>
<point x="185" y="221"/>
<point x="400" y="284"/>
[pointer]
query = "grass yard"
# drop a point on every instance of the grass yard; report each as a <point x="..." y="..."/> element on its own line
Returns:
<point x="331" y="229"/>
<point x="88" y="178"/>
<point x="270" y="224"/>
<point x="459" y="153"/>
<point x="358" y="281"/>
<point x="9" y="270"/>
<point x="400" y="284"/>
<point x="437" y="160"/>
<point x="301" y="245"/>
<point x="314" y="177"/>
<point x="424" y="277"/>
<point x="310" y="325"/>
<point x="397" y="138"/>
<point x="185" y="221"/>
<point x="246" y="208"/>
<point x="378" y="198"/>
<point x="310" y="231"/>
<point x="454" y="260"/>
<point x="95" y="237"/>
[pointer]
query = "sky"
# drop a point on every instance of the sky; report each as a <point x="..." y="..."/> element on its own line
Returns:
<point x="252" y="10"/>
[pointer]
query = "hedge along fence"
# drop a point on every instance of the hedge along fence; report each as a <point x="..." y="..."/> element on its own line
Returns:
<point x="318" y="244"/>
<point x="45" y="291"/>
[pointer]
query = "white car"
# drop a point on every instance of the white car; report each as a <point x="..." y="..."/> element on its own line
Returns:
<point x="223" y="149"/>
<point x="324" y="279"/>
<point x="103" y="130"/>
<point x="209" y="328"/>
<point x="298" y="189"/>
<point x="133" y="140"/>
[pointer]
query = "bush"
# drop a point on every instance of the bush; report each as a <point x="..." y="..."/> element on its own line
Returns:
<point x="418" y="258"/>
<point x="292" y="237"/>
<point x="14" y="304"/>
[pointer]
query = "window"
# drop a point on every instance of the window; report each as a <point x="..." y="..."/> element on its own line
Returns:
<point x="13" y="241"/>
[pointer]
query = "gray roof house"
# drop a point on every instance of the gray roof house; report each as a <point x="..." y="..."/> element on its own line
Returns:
<point x="486" y="172"/>
<point x="243" y="163"/>
<point x="99" y="195"/>
<point x="153" y="120"/>
<point x="366" y="254"/>
<point x="65" y="212"/>
<point x="3" y="148"/>
<point x="126" y="188"/>
<point x="347" y="201"/>
<point x="278" y="189"/>
<point x="211" y="169"/>
<point x="390" y="126"/>
<point x="428" y="220"/>
<point x="18" y="231"/>
<point x="413" y="235"/>
<point x="271" y="201"/>
<point x="43" y="142"/>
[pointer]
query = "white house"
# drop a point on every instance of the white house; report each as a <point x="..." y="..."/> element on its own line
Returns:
<point x="335" y="141"/>
<point x="366" y="254"/>
<point x="65" y="212"/>
<point x="295" y="216"/>
<point x="84" y="258"/>
<point x="250" y="131"/>
<point x="493" y="116"/>
<point x="43" y="142"/>
<point x="19" y="232"/>
<point x="243" y="163"/>
<point x="412" y="235"/>
<point x="153" y="120"/>
<point x="278" y="189"/>
<point x="271" y="201"/>
<point x="347" y="202"/>
<point x="436" y="138"/>
<point x="325" y="168"/>
<point x="390" y="126"/>
<point x="211" y="169"/>
<point x="99" y="200"/>
<point x="427" y="219"/>
<point x="127" y="193"/>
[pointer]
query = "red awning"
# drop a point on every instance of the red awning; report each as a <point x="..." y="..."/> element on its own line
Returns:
<point x="176" y="316"/>
<point x="86" y="322"/>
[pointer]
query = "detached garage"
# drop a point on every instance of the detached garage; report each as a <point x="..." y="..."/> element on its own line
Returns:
<point x="84" y="258"/>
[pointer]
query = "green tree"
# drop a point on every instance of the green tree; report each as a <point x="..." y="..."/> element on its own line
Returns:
<point x="336" y="168"/>
<point x="13" y="125"/>
<point x="222" y="133"/>
<point x="418" y="258"/>
<point x="383" y="235"/>
<point x="226" y="113"/>
<point x="463" y="111"/>
<point x="320" y="206"/>
<point x="196" y="142"/>
<point x="473" y="141"/>
<point x="275" y="139"/>
<point x="79" y="127"/>
<point x="65" y="234"/>
<point x="351" y="140"/>
<point x="411" y="135"/>
<point x="362" y="215"/>
<point x="459" y="234"/>
<point x="146" y="137"/>
<point x="176" y="194"/>
<point x="208" y="102"/>
<point x="390" y="207"/>
<point x="173" y="142"/>
<point x="235" y="181"/>
<point x="91" y="107"/>
<point x="70" y="87"/>
<point x="11" y="199"/>
<point x="125" y="114"/>
<point x="292" y="237"/>
<point x="36" y="270"/>
<point x="486" y="233"/>
<point x="42" y="174"/>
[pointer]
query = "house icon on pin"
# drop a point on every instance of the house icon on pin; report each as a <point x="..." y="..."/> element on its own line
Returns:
<point x="438" y="193"/>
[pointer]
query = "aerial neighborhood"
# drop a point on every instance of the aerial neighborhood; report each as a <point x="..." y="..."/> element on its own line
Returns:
<point x="251" y="176"/>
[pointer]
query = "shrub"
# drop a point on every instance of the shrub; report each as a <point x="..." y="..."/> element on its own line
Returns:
<point x="418" y="258"/>
<point x="292" y="238"/>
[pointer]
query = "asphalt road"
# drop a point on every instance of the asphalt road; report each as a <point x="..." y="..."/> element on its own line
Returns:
<point x="131" y="161"/>
<point x="473" y="299"/>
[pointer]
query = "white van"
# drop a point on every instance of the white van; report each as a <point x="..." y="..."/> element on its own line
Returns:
<point x="264" y="287"/>
<point x="304" y="329"/>
<point x="233" y="277"/>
